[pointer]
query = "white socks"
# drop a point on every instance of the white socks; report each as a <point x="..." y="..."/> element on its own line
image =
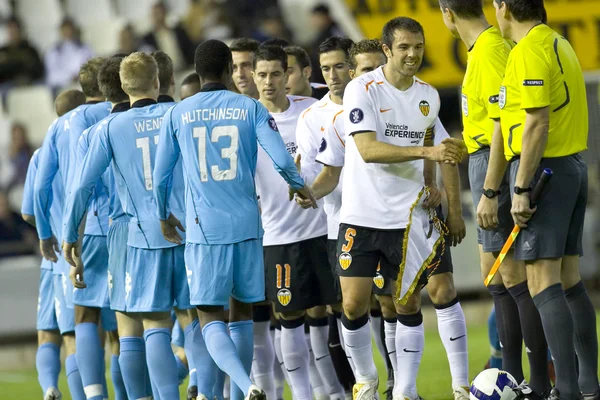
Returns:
<point x="453" y="332"/>
<point x="318" y="338"/>
<point x="390" y="343"/>
<point x="357" y="336"/>
<point x="264" y="358"/>
<point x="410" y="341"/>
<point x="296" y="357"/>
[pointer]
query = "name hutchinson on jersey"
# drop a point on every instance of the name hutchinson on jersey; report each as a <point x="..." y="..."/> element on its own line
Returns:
<point x="402" y="131"/>
<point x="214" y="114"/>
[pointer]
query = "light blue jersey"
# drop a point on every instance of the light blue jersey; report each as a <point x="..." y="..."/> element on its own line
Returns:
<point x="128" y="140"/>
<point x="54" y="161"/>
<point x="84" y="117"/>
<point x="216" y="132"/>
<point x="56" y="209"/>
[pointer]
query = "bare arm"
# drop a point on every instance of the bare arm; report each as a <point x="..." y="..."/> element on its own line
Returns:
<point x="454" y="220"/>
<point x="30" y="219"/>
<point x="535" y="137"/>
<point x="497" y="164"/>
<point x="326" y="181"/>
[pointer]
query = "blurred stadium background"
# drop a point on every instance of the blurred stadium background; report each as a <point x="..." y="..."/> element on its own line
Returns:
<point x="43" y="42"/>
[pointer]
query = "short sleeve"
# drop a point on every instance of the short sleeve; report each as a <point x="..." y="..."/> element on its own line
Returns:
<point x="440" y="133"/>
<point x="533" y="78"/>
<point x="360" y="116"/>
<point x="332" y="148"/>
<point x="492" y="69"/>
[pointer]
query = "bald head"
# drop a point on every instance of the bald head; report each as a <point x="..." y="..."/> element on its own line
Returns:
<point x="67" y="101"/>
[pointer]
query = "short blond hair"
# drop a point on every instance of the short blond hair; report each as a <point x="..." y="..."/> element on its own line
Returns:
<point x="138" y="73"/>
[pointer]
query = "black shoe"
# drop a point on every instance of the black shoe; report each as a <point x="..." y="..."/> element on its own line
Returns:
<point x="593" y="396"/>
<point x="192" y="393"/>
<point x="524" y="392"/>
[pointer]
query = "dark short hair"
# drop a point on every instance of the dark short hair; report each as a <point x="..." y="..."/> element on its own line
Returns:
<point x="465" y="9"/>
<point x="165" y="69"/>
<point x="212" y="59"/>
<point x="334" y="43"/>
<point x="526" y="10"/>
<point x="362" y="47"/>
<point x="109" y="80"/>
<point x="191" y="79"/>
<point x="88" y="77"/>
<point x="275" y="42"/>
<point x="68" y="100"/>
<point x="400" y="24"/>
<point x="14" y="21"/>
<point x="302" y="57"/>
<point x="320" y="9"/>
<point x="270" y="53"/>
<point x="244" y="45"/>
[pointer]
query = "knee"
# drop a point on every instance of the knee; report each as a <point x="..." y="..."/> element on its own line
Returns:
<point x="86" y="315"/>
<point x="318" y="312"/>
<point x="412" y="306"/>
<point x="49" y="337"/>
<point x="513" y="272"/>
<point x="113" y="341"/>
<point x="387" y="306"/>
<point x="292" y="315"/>
<point x="69" y="340"/>
<point x="441" y="288"/>
<point x="239" y="311"/>
<point x="354" y="308"/>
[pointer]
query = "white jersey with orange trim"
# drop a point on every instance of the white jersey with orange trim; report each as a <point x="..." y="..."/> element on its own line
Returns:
<point x="283" y="221"/>
<point x="333" y="153"/>
<point x="310" y="136"/>
<point x="379" y="195"/>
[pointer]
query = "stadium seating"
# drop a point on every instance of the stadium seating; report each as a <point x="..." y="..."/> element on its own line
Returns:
<point x="103" y="36"/>
<point x="41" y="19"/>
<point x="87" y="12"/>
<point x="32" y="106"/>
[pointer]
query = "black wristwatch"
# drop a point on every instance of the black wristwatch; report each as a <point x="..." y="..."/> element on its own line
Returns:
<point x="519" y="190"/>
<point x="490" y="193"/>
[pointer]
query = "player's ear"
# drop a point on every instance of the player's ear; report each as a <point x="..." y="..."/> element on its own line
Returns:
<point x="352" y="73"/>
<point x="386" y="50"/>
<point x="156" y="83"/>
<point x="307" y="72"/>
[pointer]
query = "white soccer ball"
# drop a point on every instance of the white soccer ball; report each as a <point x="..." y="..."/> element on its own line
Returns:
<point x="493" y="384"/>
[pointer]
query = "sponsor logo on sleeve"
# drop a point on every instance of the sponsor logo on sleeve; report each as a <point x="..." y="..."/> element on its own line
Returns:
<point x="273" y="125"/>
<point x="323" y="145"/>
<point x="465" y="105"/>
<point x="494" y="99"/>
<point x="356" y="115"/>
<point x="533" y="82"/>
<point x="502" y="97"/>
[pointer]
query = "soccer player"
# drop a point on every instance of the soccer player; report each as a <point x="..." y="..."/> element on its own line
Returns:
<point x="544" y="117"/>
<point x="216" y="134"/>
<point x="309" y="135"/>
<point x="155" y="268"/>
<point x="516" y="315"/>
<point x="50" y="325"/>
<point x="243" y="53"/>
<point x="300" y="71"/>
<point x="190" y="86"/>
<point x="295" y="241"/>
<point x="381" y="159"/>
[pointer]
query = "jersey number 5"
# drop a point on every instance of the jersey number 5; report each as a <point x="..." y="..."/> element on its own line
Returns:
<point x="227" y="153"/>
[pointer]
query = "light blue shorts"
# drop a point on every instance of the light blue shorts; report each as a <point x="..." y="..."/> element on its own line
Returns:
<point x="46" y="315"/>
<point x="218" y="272"/>
<point x="108" y="319"/>
<point x="94" y="255"/>
<point x="117" y="263"/>
<point x="64" y="314"/>
<point x="156" y="280"/>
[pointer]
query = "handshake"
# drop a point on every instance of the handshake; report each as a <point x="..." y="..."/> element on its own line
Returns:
<point x="450" y="151"/>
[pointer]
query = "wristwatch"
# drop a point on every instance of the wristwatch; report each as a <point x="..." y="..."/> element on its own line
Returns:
<point x="490" y="193"/>
<point x="519" y="190"/>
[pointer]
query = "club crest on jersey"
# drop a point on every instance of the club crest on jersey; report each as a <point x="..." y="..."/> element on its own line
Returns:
<point x="345" y="260"/>
<point x="379" y="281"/>
<point x="323" y="145"/>
<point x="424" y="107"/>
<point x="356" y="115"/>
<point x="502" y="97"/>
<point x="284" y="296"/>
<point x="465" y="105"/>
<point x="273" y="125"/>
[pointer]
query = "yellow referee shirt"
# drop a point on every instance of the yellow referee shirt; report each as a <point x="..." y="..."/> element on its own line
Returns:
<point x="543" y="71"/>
<point x="481" y="85"/>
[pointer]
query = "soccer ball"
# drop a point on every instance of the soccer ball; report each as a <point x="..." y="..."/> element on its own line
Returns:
<point x="493" y="384"/>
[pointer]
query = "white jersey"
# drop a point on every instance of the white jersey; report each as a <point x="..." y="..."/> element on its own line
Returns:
<point x="312" y="125"/>
<point x="332" y="153"/>
<point x="283" y="221"/>
<point x="380" y="195"/>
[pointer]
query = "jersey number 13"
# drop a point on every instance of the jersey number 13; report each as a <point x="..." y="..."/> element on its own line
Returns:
<point x="227" y="153"/>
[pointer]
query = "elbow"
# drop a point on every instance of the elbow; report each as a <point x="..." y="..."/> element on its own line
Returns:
<point x="30" y="219"/>
<point x="366" y="155"/>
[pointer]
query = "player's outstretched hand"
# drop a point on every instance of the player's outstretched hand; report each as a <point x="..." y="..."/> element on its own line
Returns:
<point x="169" y="229"/>
<point x="434" y="198"/>
<point x="50" y="249"/>
<point x="456" y="228"/>
<point x="304" y="202"/>
<point x="521" y="212"/>
<point x="450" y="151"/>
<point x="487" y="213"/>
